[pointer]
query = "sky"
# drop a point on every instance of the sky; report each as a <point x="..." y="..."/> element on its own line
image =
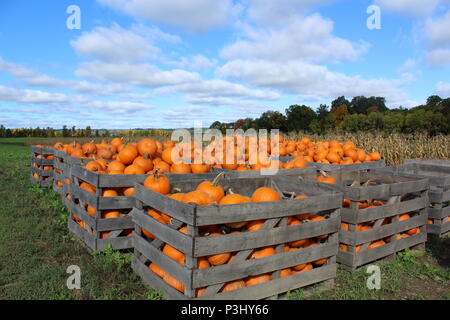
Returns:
<point x="169" y="63"/>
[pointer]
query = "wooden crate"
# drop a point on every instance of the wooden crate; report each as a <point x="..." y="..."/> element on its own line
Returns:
<point x="41" y="157"/>
<point x="437" y="162"/>
<point x="94" y="230"/>
<point x="323" y="200"/>
<point x="62" y="175"/>
<point x="338" y="167"/>
<point x="400" y="194"/>
<point x="265" y="173"/>
<point x="439" y="176"/>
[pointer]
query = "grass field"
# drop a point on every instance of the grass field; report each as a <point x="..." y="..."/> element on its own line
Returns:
<point x="36" y="249"/>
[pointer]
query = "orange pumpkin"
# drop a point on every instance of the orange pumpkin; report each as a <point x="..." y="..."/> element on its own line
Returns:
<point x="158" y="183"/>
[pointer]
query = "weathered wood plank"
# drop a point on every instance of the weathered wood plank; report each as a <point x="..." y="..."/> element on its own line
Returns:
<point x="364" y="257"/>
<point x="370" y="214"/>
<point x="176" y="209"/>
<point x="172" y="267"/>
<point x="214" y="214"/>
<point x="357" y="238"/>
<point x="277" y="286"/>
<point x="230" y="272"/>
<point x="205" y="246"/>
<point x="154" y="281"/>
<point x="163" y="232"/>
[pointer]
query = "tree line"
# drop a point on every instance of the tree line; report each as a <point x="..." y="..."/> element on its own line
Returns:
<point x="359" y="114"/>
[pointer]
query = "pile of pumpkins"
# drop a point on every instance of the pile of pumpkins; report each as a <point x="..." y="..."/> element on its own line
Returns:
<point x="231" y="153"/>
<point x="330" y="152"/>
<point x="208" y="193"/>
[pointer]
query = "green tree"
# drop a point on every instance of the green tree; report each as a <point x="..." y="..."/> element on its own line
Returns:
<point x="341" y="101"/>
<point x="393" y="122"/>
<point x="88" y="131"/>
<point x="434" y="101"/>
<point x="299" y="117"/>
<point x="272" y="120"/>
<point x="355" y="123"/>
<point x="362" y="104"/>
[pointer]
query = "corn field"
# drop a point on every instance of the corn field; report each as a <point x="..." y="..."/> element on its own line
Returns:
<point x="394" y="148"/>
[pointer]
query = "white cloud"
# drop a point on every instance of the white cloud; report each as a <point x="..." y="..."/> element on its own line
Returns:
<point x="193" y="15"/>
<point x="30" y="76"/>
<point x="222" y="88"/>
<point x="308" y="79"/>
<point x="308" y="38"/>
<point x="271" y="12"/>
<point x="439" y="57"/>
<point x="32" y="96"/>
<point x="114" y="45"/>
<point x="118" y="107"/>
<point x="139" y="74"/>
<point x="196" y="62"/>
<point x="443" y="89"/>
<point x="438" y="31"/>
<point x="408" y="65"/>
<point x="409" y="7"/>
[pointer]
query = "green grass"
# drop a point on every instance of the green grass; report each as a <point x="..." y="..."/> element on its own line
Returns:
<point x="36" y="250"/>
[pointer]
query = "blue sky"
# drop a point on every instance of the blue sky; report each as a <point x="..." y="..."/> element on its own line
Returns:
<point x="167" y="63"/>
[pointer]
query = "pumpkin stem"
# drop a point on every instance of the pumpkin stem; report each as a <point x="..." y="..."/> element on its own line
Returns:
<point x="323" y="173"/>
<point x="147" y="155"/>
<point x="354" y="184"/>
<point x="217" y="179"/>
<point x="156" y="175"/>
<point x="365" y="184"/>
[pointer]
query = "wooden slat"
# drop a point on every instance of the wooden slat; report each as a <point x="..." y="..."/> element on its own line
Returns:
<point x="176" y="209"/>
<point x="154" y="281"/>
<point x="176" y="270"/>
<point x="357" y="238"/>
<point x="122" y="223"/>
<point x="230" y="272"/>
<point x="277" y="286"/>
<point x="370" y="214"/>
<point x="364" y="257"/>
<point x="214" y="214"/>
<point x="163" y="232"/>
<point x="205" y="246"/>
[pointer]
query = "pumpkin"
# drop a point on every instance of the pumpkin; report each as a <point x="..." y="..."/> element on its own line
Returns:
<point x="263" y="253"/>
<point x="158" y="183"/>
<point x="157" y="270"/>
<point x="198" y="197"/>
<point x="128" y="154"/>
<point x="166" y="155"/>
<point x="215" y="191"/>
<point x="230" y="286"/>
<point x="94" y="166"/>
<point x="110" y="193"/>
<point x="147" y="146"/>
<point x="162" y="166"/>
<point x="324" y="178"/>
<point x="134" y="169"/>
<point x="254" y="225"/>
<point x="264" y="194"/>
<point x="128" y="192"/>
<point x="218" y="259"/>
<point x="200" y="168"/>
<point x="173" y="253"/>
<point x="110" y="214"/>
<point x="116" y="166"/>
<point x="254" y="280"/>
<point x="180" y="168"/>
<point x="144" y="162"/>
<point x="173" y="282"/>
